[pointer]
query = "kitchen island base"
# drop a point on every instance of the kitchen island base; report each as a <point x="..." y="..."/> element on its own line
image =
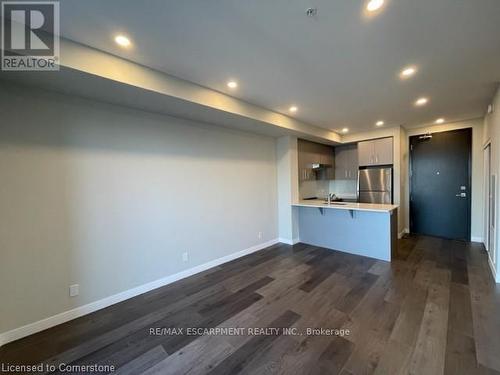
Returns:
<point x="369" y="233"/>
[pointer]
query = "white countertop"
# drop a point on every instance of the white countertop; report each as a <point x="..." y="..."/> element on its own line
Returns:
<point x="320" y="203"/>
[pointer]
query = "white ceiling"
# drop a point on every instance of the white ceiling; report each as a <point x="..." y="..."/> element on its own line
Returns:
<point x="340" y="68"/>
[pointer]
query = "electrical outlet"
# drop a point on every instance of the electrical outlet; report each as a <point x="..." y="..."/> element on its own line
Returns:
<point x="185" y="256"/>
<point x="74" y="290"/>
<point x="259" y="235"/>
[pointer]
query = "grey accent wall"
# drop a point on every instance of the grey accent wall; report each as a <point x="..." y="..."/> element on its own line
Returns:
<point x="109" y="198"/>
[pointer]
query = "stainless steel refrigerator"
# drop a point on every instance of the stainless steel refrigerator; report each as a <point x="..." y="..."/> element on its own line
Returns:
<point x="375" y="185"/>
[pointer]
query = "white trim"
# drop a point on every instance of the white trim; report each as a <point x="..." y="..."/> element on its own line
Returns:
<point x="403" y="232"/>
<point x="477" y="239"/>
<point x="66" y="316"/>
<point x="289" y="242"/>
<point x="496" y="276"/>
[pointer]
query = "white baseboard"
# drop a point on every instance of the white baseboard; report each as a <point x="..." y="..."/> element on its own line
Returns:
<point x="403" y="232"/>
<point x="477" y="239"/>
<point x="289" y="242"/>
<point x="66" y="316"/>
<point x="496" y="276"/>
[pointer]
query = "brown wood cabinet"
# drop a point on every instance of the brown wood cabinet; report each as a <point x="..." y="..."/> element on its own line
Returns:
<point x="310" y="153"/>
<point x="346" y="162"/>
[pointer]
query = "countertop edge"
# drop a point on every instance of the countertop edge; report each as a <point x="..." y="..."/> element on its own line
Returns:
<point x="348" y="207"/>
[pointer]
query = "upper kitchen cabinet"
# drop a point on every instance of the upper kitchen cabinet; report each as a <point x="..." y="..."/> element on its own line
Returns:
<point x="375" y="152"/>
<point x="316" y="161"/>
<point x="346" y="162"/>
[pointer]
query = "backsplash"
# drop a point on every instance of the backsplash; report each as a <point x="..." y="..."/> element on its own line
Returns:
<point x="320" y="188"/>
<point x="343" y="188"/>
<point x="317" y="188"/>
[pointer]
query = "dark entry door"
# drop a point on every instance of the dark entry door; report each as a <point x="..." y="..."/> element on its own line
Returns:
<point x="440" y="170"/>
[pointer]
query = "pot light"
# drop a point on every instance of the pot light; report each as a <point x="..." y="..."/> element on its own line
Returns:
<point x="421" y="101"/>
<point x="122" y="41"/>
<point x="345" y="130"/>
<point x="439" y="121"/>
<point x="379" y="123"/>
<point x="232" y="84"/>
<point x="374" y="5"/>
<point x="293" y="109"/>
<point x="408" y="72"/>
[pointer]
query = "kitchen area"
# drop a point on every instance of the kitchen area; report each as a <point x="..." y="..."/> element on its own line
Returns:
<point x="346" y="197"/>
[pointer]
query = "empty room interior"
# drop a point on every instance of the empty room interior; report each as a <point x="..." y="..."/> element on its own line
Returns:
<point x="250" y="187"/>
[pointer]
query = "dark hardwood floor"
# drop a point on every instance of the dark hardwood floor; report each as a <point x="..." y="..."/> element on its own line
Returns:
<point x="433" y="310"/>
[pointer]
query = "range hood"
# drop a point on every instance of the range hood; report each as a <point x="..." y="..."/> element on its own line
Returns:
<point x="319" y="166"/>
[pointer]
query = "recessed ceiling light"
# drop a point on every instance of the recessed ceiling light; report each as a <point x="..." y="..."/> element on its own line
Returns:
<point x="379" y="123"/>
<point x="311" y="12"/>
<point x="421" y="101"/>
<point x="122" y="41"/>
<point x="293" y="109"/>
<point x="345" y="130"/>
<point x="439" y="121"/>
<point x="408" y="72"/>
<point x="374" y="5"/>
<point x="232" y="84"/>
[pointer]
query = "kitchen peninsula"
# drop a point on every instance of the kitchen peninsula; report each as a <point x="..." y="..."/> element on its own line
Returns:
<point x="358" y="228"/>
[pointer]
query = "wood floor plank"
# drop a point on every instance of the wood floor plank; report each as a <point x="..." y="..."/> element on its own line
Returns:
<point x="259" y="344"/>
<point x="433" y="310"/>
<point x="143" y="362"/>
<point x="460" y="354"/>
<point x="408" y="323"/>
<point x="334" y="357"/>
<point x="429" y="354"/>
<point x="460" y="312"/>
<point x="198" y="357"/>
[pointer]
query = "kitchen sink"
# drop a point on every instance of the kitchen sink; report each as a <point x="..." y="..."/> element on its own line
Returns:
<point x="336" y="203"/>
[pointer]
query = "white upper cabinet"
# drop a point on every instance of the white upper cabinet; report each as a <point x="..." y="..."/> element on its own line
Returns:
<point x="384" y="151"/>
<point x="366" y="150"/>
<point x="375" y="152"/>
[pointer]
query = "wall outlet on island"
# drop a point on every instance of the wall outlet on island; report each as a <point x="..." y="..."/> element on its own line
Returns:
<point x="259" y="235"/>
<point x="185" y="256"/>
<point x="74" y="290"/>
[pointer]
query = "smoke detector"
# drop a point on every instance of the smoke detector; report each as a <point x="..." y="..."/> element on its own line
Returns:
<point x="311" y="12"/>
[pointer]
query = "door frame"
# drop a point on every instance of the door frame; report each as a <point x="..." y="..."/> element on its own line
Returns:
<point x="469" y="172"/>
<point x="487" y="187"/>
<point x="489" y="204"/>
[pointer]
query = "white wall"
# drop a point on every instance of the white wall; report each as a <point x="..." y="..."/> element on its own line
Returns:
<point x="477" y="188"/>
<point x="288" y="190"/>
<point x="492" y="134"/>
<point x="109" y="198"/>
